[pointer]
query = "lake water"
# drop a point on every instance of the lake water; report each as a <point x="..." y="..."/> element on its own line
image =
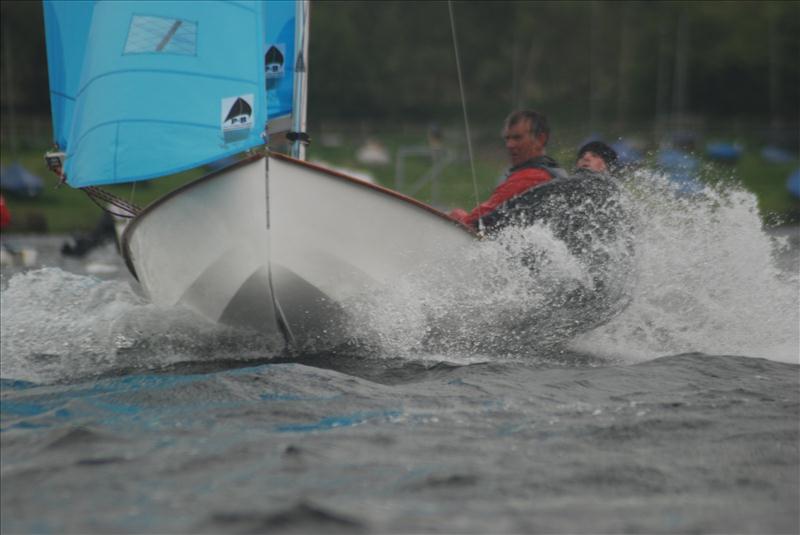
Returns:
<point x="679" y="415"/>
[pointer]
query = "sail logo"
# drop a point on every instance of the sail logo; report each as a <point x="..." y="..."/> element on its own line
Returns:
<point x="237" y="117"/>
<point x="274" y="60"/>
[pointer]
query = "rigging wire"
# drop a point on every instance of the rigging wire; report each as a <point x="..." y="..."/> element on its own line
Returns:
<point x="133" y="192"/>
<point x="110" y="203"/>
<point x="464" y="108"/>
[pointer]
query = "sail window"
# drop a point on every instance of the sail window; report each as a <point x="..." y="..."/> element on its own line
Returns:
<point x="149" y="34"/>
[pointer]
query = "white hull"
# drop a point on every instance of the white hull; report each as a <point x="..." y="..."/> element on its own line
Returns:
<point x="281" y="245"/>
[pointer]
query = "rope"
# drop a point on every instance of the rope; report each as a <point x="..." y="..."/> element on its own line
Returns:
<point x="464" y="108"/>
<point x="112" y="204"/>
<point x="133" y="191"/>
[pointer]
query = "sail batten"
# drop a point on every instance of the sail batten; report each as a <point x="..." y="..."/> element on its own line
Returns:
<point x="154" y="88"/>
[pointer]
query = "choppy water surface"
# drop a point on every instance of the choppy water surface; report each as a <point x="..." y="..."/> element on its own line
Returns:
<point x="678" y="415"/>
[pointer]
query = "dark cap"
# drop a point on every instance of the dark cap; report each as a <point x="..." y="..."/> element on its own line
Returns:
<point x="608" y="154"/>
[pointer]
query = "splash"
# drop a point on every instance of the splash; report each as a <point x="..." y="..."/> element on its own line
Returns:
<point x="708" y="279"/>
<point x="61" y="326"/>
<point x="703" y="275"/>
<point x="526" y="290"/>
<point x="486" y="302"/>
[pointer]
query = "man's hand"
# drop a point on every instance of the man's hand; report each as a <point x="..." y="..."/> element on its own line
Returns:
<point x="459" y="214"/>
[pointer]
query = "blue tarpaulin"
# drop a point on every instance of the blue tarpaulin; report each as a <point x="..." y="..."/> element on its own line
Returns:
<point x="793" y="184"/>
<point x="681" y="168"/>
<point x="724" y="152"/>
<point x="17" y="181"/>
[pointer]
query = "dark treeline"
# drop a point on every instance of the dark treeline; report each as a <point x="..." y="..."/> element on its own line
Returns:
<point x="590" y="61"/>
<point x="598" y="60"/>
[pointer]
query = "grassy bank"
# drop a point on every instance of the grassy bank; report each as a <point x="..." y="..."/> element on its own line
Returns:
<point x="63" y="209"/>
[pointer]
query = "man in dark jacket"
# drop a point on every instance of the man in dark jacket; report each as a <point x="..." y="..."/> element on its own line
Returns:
<point x="526" y="134"/>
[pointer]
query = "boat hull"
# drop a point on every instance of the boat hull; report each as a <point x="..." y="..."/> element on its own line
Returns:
<point x="282" y="246"/>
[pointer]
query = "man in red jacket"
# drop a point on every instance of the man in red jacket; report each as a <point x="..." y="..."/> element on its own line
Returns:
<point x="526" y="133"/>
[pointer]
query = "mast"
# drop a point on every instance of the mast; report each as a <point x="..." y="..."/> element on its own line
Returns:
<point x="299" y="97"/>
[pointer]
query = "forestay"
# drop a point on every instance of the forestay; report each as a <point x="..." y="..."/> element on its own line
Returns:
<point x="146" y="89"/>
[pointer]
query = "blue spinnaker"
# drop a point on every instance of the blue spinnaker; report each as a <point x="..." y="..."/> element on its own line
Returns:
<point x="163" y="86"/>
<point x="66" y="28"/>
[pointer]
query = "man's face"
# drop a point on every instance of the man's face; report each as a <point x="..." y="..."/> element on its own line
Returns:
<point x="592" y="161"/>
<point x="521" y="144"/>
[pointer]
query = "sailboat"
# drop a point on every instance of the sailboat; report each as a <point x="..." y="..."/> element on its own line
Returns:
<point x="271" y="242"/>
<point x="141" y="90"/>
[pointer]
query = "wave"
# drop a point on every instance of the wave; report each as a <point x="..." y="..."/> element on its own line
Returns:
<point x="59" y="326"/>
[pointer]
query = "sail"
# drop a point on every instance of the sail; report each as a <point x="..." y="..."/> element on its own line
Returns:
<point x="66" y="27"/>
<point x="144" y="89"/>
<point x="279" y="51"/>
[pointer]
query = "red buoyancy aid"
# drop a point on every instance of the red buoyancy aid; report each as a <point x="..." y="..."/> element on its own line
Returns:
<point x="520" y="179"/>
<point x="5" y="215"/>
